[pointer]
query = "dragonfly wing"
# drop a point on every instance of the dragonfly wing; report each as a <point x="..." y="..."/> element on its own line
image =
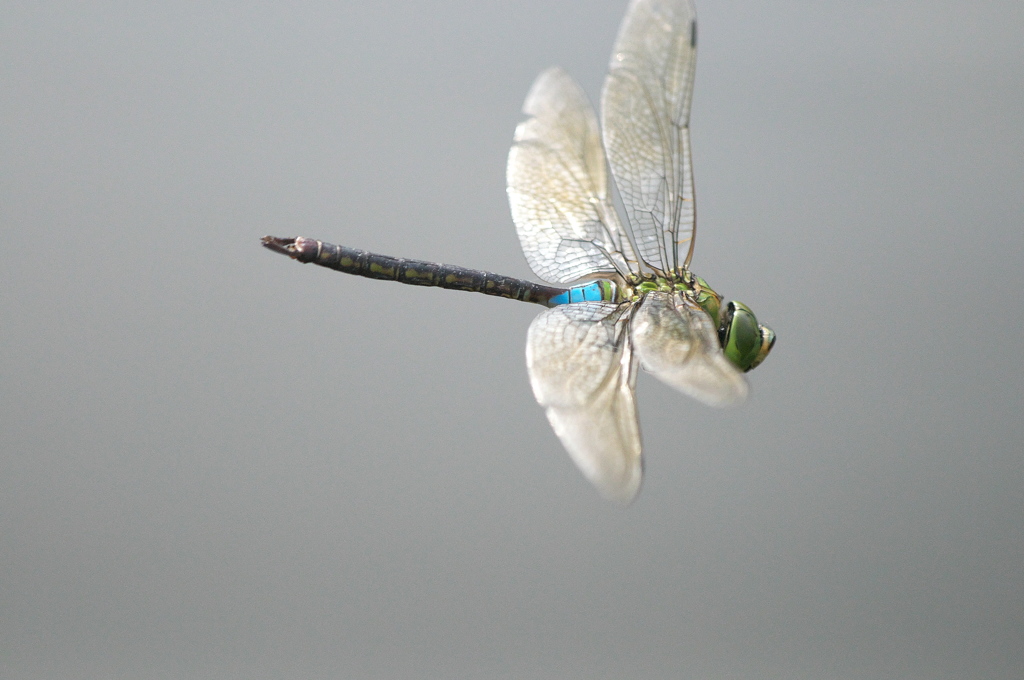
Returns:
<point x="558" y="186"/>
<point x="677" y="342"/>
<point x="645" y="108"/>
<point x="583" y="373"/>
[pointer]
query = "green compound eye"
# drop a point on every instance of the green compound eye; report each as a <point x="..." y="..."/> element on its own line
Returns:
<point x="745" y="342"/>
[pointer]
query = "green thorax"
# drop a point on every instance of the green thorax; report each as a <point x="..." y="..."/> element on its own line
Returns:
<point x="689" y="284"/>
<point x="745" y="342"/>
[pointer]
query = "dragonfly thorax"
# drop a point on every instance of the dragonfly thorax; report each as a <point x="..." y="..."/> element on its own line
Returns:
<point x="745" y="342"/>
<point x="686" y="282"/>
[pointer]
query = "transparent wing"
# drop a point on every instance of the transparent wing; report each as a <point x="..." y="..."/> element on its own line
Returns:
<point x="645" y="109"/>
<point x="677" y="342"/>
<point x="558" y="186"/>
<point x="584" y="374"/>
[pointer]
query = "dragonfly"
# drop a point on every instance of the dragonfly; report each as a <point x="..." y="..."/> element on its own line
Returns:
<point x="622" y="295"/>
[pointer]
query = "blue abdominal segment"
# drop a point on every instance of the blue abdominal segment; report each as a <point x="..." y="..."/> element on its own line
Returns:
<point x="595" y="291"/>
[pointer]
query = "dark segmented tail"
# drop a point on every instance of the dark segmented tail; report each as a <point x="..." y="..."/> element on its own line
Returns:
<point x="412" y="272"/>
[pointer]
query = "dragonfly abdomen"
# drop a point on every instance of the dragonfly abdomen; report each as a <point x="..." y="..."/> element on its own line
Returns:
<point x="595" y="291"/>
<point x="412" y="272"/>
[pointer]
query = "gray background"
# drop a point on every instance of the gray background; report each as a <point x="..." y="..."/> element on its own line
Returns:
<point x="216" y="463"/>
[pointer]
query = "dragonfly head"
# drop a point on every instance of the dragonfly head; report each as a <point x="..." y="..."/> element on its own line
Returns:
<point x="745" y="342"/>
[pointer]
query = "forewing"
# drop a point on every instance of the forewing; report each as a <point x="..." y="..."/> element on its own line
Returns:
<point x="645" y="108"/>
<point x="558" y="186"/>
<point x="583" y="373"/>
<point x="677" y="342"/>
